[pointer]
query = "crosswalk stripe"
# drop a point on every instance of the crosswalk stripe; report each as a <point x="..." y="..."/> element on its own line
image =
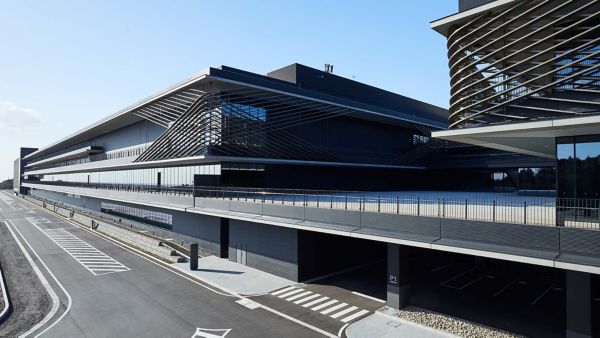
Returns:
<point x="316" y="301"/>
<point x="334" y="308"/>
<point x="343" y="312"/>
<point x="354" y="316"/>
<point x="299" y="296"/>
<point x="282" y="290"/>
<point x="305" y="299"/>
<point x="290" y="293"/>
<point x="97" y="262"/>
<point x="324" y="305"/>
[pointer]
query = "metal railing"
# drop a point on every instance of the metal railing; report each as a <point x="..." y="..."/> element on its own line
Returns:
<point x="501" y="208"/>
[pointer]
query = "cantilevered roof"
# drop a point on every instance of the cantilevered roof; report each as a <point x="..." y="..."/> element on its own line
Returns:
<point x="533" y="138"/>
<point x="444" y="24"/>
<point x="406" y="112"/>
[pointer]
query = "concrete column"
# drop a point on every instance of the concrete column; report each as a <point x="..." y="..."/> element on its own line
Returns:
<point x="579" y="304"/>
<point x="398" y="288"/>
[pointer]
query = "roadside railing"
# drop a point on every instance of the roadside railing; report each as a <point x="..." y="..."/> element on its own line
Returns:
<point x="501" y="208"/>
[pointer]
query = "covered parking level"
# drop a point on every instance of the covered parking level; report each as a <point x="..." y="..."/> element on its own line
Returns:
<point x="526" y="299"/>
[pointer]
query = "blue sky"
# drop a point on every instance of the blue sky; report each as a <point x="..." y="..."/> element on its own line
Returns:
<point x="66" y="64"/>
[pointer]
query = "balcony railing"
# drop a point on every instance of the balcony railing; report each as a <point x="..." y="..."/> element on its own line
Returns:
<point x="501" y="208"/>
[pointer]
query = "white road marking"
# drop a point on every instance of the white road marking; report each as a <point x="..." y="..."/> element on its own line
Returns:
<point x="368" y="297"/>
<point x="324" y="305"/>
<point x="354" y="316"/>
<point x="290" y="293"/>
<point x="322" y="299"/>
<point x="333" y="308"/>
<point x="51" y="291"/>
<point x="343" y="312"/>
<point x="208" y="333"/>
<point x="250" y="304"/>
<point x="305" y="299"/>
<point x="300" y="295"/>
<point x="213" y="287"/>
<point x="84" y="253"/>
<point x="342" y="330"/>
<point x="282" y="290"/>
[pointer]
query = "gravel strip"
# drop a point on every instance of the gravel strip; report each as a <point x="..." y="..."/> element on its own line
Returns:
<point x="453" y="325"/>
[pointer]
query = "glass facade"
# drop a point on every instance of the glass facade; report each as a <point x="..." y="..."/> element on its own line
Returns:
<point x="578" y="165"/>
<point x="170" y="176"/>
<point x="160" y="219"/>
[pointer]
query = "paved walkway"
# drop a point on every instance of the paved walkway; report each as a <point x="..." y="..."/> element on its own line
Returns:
<point x="235" y="277"/>
<point x="380" y="325"/>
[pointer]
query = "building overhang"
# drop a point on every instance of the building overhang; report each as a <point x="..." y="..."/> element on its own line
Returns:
<point x="536" y="138"/>
<point x="128" y="164"/>
<point x="89" y="150"/>
<point x="444" y="24"/>
<point x="214" y="79"/>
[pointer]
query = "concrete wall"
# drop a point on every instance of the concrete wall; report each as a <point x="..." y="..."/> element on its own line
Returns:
<point x="265" y="247"/>
<point x="206" y="229"/>
<point x="78" y="201"/>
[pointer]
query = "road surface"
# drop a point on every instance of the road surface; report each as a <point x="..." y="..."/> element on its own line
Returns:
<point x="106" y="290"/>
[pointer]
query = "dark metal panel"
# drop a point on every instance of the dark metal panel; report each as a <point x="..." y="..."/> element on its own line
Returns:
<point x="416" y="225"/>
<point x="580" y="241"/>
<point x="333" y="216"/>
<point x="206" y="229"/>
<point x="516" y="235"/>
<point x="267" y="248"/>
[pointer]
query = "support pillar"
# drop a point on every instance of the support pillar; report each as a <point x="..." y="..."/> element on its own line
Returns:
<point x="398" y="287"/>
<point x="579" y="304"/>
<point x="194" y="256"/>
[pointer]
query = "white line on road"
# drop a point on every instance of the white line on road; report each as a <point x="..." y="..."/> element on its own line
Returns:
<point x="80" y="251"/>
<point x="283" y="290"/>
<point x="306" y="299"/>
<point x="300" y="295"/>
<point x="324" y="305"/>
<point x="354" y="316"/>
<point x="343" y="312"/>
<point x="290" y="293"/>
<point x="322" y="299"/>
<point x="52" y="292"/>
<point x="333" y="308"/>
<point x="342" y="330"/>
<point x="368" y="297"/>
<point x="196" y="280"/>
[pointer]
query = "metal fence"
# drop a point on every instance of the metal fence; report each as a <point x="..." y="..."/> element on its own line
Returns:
<point x="501" y="208"/>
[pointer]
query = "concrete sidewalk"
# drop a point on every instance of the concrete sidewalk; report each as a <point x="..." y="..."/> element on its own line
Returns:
<point x="382" y="325"/>
<point x="234" y="277"/>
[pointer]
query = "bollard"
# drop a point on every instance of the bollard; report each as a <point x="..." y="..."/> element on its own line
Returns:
<point x="194" y="256"/>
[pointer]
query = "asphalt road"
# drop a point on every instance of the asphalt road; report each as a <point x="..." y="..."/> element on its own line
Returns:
<point x="147" y="300"/>
<point x="29" y="300"/>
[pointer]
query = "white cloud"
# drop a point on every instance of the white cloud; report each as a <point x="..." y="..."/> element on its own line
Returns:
<point x="13" y="117"/>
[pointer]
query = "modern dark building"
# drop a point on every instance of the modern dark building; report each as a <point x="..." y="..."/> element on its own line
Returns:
<point x="302" y="173"/>
<point x="525" y="78"/>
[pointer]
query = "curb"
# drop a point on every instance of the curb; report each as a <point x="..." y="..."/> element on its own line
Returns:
<point x="4" y="312"/>
<point x="384" y="313"/>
